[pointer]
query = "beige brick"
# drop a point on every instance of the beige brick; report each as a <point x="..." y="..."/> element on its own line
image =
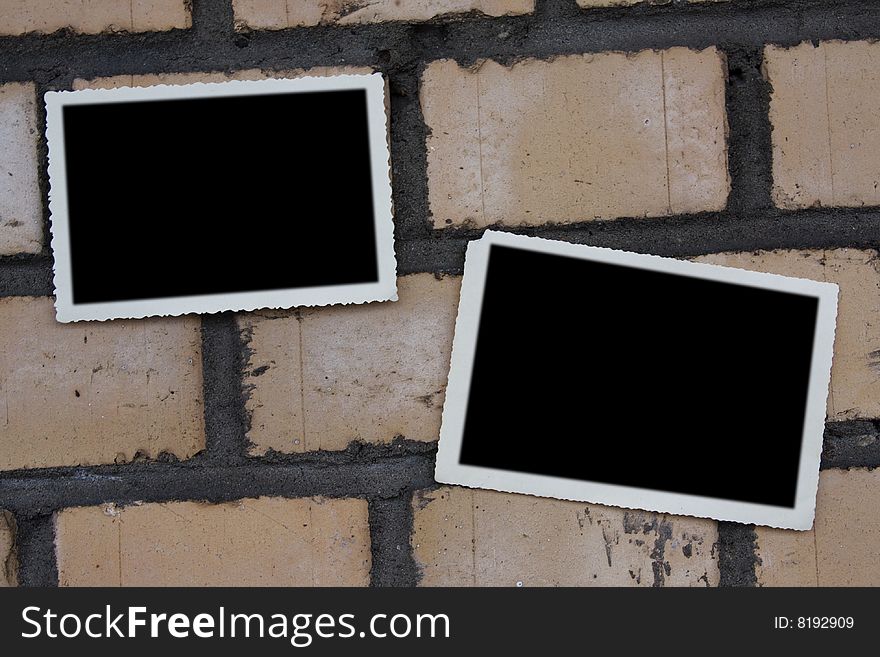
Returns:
<point x="277" y="14"/>
<point x="787" y="558"/>
<point x="150" y="79"/>
<point x="88" y="16"/>
<point x="261" y="14"/>
<point x="696" y="129"/>
<point x="273" y="379"/>
<point x="848" y="528"/>
<point x="825" y="112"/>
<point x="377" y="371"/>
<point x="160" y="15"/>
<point x="840" y="549"/>
<point x="21" y="214"/>
<point x="96" y="392"/>
<point x="576" y="138"/>
<point x="93" y="16"/>
<point x="254" y="542"/>
<point x="855" y="383"/>
<point x="8" y="561"/>
<point x="465" y="537"/>
<point x="321" y="378"/>
<point x="801" y="154"/>
<point x="114" y="82"/>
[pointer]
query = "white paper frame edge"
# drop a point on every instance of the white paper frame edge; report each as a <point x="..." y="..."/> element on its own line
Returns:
<point x="449" y="470"/>
<point x="385" y="289"/>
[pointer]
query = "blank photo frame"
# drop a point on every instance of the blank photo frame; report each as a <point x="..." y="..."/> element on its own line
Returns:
<point x="238" y="195"/>
<point x="637" y="381"/>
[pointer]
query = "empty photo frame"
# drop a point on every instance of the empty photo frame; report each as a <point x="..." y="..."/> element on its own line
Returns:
<point x="237" y="195"/>
<point x="637" y="381"/>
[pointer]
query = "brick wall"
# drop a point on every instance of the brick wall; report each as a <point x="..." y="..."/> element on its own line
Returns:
<point x="297" y="447"/>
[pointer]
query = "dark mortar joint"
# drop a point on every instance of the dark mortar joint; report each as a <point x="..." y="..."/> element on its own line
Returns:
<point x="362" y="471"/>
<point x="391" y="527"/>
<point x="226" y="420"/>
<point x="212" y="20"/>
<point x="748" y="143"/>
<point x="35" y="547"/>
<point x="737" y="554"/>
<point x="678" y="236"/>
<point x="853" y="444"/>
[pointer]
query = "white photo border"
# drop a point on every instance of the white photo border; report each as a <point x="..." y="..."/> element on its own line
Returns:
<point x="450" y="471"/>
<point x="385" y="289"/>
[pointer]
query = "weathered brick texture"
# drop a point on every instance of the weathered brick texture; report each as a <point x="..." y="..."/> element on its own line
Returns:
<point x="466" y="537"/>
<point x="255" y="542"/>
<point x="321" y="378"/>
<point x="840" y="549"/>
<point x="855" y="387"/>
<point x="8" y="561"/>
<point x="278" y="14"/>
<point x="96" y="392"/>
<point x="93" y="16"/>
<point x="826" y="123"/>
<point x="576" y="138"/>
<point x="21" y="213"/>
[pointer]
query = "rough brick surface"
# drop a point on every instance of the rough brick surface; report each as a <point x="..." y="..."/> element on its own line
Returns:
<point x="96" y="392"/>
<point x="855" y="384"/>
<point x="93" y="16"/>
<point x="320" y="378"/>
<point x="255" y="542"/>
<point x="21" y="214"/>
<point x="149" y="79"/>
<point x="786" y="558"/>
<point x="8" y="565"/>
<point x="840" y="550"/>
<point x="825" y="112"/>
<point x="466" y="537"/>
<point x="576" y="138"/>
<point x="278" y="14"/>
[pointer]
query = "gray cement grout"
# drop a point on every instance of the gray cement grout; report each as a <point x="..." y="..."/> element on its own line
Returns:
<point x="748" y="117"/>
<point x="737" y="554"/>
<point x="391" y="526"/>
<point x="363" y="471"/>
<point x="226" y="420"/>
<point x="35" y="548"/>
